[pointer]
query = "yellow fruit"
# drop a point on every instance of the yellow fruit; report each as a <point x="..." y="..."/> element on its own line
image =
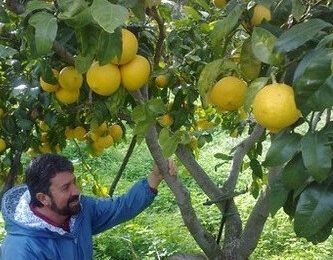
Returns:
<point x="97" y="148"/>
<point x="135" y="73"/>
<point x="161" y="81"/>
<point x="102" y="128"/>
<point x="203" y="124"/>
<point x="31" y="152"/>
<point x="69" y="133"/>
<point x="220" y="3"/>
<point x="260" y="13"/>
<point x="70" y="79"/>
<point x="67" y="96"/>
<point x="129" y="47"/>
<point x="79" y="132"/>
<point x="274" y="107"/>
<point x="165" y="120"/>
<point x="49" y="87"/>
<point x="45" y="148"/>
<point x="103" y="80"/>
<point x="104" y="141"/>
<point x="2" y="145"/>
<point x="116" y="132"/>
<point x="43" y="126"/>
<point x="228" y="93"/>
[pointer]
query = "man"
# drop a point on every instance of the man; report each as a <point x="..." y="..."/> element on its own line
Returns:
<point x="48" y="218"/>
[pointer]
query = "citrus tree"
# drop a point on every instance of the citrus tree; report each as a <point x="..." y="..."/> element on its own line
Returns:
<point x="175" y="72"/>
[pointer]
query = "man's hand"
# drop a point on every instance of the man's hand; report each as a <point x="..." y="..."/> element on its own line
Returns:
<point x="155" y="177"/>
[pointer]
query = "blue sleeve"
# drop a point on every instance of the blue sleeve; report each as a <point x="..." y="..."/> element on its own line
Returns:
<point x="15" y="247"/>
<point x="106" y="213"/>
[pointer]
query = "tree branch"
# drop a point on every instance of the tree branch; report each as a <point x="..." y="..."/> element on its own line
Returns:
<point x="200" y="234"/>
<point x="123" y="166"/>
<point x="199" y="175"/>
<point x="241" y="151"/>
<point x="161" y="36"/>
<point x="63" y="54"/>
<point x="258" y="217"/>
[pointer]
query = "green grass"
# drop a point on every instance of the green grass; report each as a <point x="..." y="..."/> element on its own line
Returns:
<point x="159" y="231"/>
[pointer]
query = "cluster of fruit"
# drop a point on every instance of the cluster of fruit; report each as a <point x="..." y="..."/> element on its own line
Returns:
<point x="130" y="70"/>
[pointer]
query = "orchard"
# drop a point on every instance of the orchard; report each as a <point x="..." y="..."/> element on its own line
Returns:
<point x="170" y="74"/>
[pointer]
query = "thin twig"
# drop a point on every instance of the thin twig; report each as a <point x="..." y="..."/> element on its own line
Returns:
<point x="123" y="166"/>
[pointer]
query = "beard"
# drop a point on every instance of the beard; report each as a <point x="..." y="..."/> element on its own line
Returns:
<point x="67" y="210"/>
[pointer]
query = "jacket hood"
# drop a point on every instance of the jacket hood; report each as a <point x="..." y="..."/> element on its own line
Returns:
<point x="20" y="219"/>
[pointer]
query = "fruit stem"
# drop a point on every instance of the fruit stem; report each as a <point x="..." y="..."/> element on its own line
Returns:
<point x="273" y="78"/>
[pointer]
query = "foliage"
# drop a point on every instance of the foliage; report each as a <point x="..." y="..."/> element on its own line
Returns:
<point x="196" y="44"/>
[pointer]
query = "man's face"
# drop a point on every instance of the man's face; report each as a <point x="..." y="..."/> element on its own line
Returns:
<point x="64" y="194"/>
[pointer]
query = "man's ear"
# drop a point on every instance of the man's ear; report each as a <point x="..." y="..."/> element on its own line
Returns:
<point x="43" y="198"/>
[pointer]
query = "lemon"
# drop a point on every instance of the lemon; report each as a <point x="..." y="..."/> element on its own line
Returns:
<point x="260" y="13"/>
<point x="161" y="81"/>
<point x="70" y="79"/>
<point x="165" y="120"/>
<point x="274" y="107"/>
<point x="2" y="145"/>
<point x="45" y="148"/>
<point x="135" y="73"/>
<point x="67" y="96"/>
<point x="116" y="132"/>
<point x="220" y="3"/>
<point x="49" y="87"/>
<point x="104" y="141"/>
<point x="129" y="47"/>
<point x="103" y="80"/>
<point x="228" y="93"/>
<point x="79" y="132"/>
<point x="69" y="133"/>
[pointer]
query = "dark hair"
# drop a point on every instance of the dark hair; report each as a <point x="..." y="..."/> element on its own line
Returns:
<point x="41" y="169"/>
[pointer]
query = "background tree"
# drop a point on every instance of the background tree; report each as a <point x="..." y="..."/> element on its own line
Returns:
<point x="76" y="69"/>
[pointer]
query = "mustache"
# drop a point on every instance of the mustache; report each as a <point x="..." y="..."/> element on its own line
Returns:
<point x="73" y="198"/>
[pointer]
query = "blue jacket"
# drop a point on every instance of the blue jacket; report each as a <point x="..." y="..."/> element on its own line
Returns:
<point x="29" y="237"/>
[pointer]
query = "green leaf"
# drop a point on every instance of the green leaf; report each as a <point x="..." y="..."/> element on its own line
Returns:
<point x="277" y="196"/>
<point x="223" y="27"/>
<point x="107" y="15"/>
<point x="314" y="210"/>
<point x="79" y="20"/>
<point x="208" y="78"/>
<point x="46" y="27"/>
<point x="294" y="174"/>
<point x="317" y="155"/>
<point x="168" y="142"/>
<point x="35" y="5"/>
<point x="252" y="90"/>
<point x="87" y="38"/>
<point x="156" y="106"/>
<point x="82" y="63"/>
<point x="263" y="42"/>
<point x="47" y="73"/>
<point x="300" y="34"/>
<point x="322" y="234"/>
<point x="282" y="149"/>
<point x="116" y="101"/>
<point x="6" y="52"/>
<point x="4" y="18"/>
<point x="280" y="11"/>
<point x="70" y="8"/>
<point x="298" y="9"/>
<point x="109" y="46"/>
<point x="256" y="168"/>
<point x="191" y="12"/>
<point x="249" y="65"/>
<point x="203" y="4"/>
<point x="310" y="76"/>
<point x="223" y="156"/>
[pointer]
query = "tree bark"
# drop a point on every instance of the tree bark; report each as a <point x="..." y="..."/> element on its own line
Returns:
<point x="204" y="239"/>
<point x="258" y="217"/>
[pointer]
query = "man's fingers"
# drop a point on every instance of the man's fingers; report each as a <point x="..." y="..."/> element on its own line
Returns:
<point x="172" y="167"/>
